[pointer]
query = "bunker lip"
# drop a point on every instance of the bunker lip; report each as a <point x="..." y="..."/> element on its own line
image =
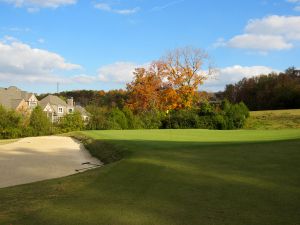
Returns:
<point x="41" y="158"/>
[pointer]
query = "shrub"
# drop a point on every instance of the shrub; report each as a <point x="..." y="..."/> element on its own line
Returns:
<point x="11" y="123"/>
<point x="181" y="119"/>
<point x="234" y="114"/>
<point x="207" y="116"/>
<point x="103" y="118"/>
<point x="133" y="121"/>
<point x="71" y="122"/>
<point x="151" y="119"/>
<point x="39" y="122"/>
<point x="117" y="119"/>
<point x="98" y="120"/>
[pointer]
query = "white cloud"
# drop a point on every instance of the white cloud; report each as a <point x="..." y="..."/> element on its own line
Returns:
<point x="103" y="6"/>
<point x="17" y="29"/>
<point x="122" y="72"/>
<point x="119" y="72"/>
<point x="162" y="7"/>
<point x="126" y="11"/>
<point x="33" y="9"/>
<point x="41" y="40"/>
<point x="34" y="5"/>
<point x="266" y="34"/>
<point x="285" y="26"/>
<point x="83" y="78"/>
<point x="297" y="2"/>
<point x="259" y="42"/>
<point x="107" y="7"/>
<point x="20" y="62"/>
<point x="233" y="74"/>
<point x="8" y="38"/>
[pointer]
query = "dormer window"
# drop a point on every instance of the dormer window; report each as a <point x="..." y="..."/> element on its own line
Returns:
<point x="60" y="110"/>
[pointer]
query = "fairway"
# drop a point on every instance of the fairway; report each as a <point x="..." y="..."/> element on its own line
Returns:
<point x="171" y="177"/>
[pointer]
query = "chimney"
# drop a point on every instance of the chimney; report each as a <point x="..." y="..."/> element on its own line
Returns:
<point x="70" y="102"/>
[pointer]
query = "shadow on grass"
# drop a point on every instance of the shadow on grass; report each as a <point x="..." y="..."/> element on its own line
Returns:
<point x="169" y="183"/>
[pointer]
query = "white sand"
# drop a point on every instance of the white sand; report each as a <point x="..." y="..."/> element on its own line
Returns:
<point x="40" y="158"/>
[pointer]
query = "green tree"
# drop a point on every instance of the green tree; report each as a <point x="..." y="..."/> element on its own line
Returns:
<point x="71" y="122"/>
<point x="39" y="122"/>
<point x="10" y="123"/>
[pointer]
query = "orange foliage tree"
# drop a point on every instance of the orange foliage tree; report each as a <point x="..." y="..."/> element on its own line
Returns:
<point x="170" y="83"/>
<point x="145" y="89"/>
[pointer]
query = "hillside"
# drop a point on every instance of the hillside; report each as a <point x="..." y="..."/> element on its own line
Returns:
<point x="274" y="119"/>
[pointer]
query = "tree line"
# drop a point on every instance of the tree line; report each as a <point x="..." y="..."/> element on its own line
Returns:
<point x="267" y="92"/>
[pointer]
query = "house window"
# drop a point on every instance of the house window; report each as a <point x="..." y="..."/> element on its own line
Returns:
<point x="70" y="110"/>
<point x="60" y="110"/>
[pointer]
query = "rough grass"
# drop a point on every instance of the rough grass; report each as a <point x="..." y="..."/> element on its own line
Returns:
<point x="4" y="141"/>
<point x="172" y="177"/>
<point x="274" y="119"/>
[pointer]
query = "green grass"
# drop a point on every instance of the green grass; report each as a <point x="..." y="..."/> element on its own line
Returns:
<point x="274" y="119"/>
<point x="171" y="177"/>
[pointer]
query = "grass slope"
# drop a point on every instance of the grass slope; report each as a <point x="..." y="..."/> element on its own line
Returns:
<point x="172" y="177"/>
<point x="274" y="119"/>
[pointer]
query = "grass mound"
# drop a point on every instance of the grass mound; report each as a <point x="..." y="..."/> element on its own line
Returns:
<point x="105" y="151"/>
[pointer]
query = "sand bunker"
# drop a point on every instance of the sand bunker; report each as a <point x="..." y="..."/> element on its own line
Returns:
<point x="40" y="158"/>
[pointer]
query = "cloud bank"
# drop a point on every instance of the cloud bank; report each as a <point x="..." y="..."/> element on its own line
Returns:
<point x="233" y="74"/>
<point x="20" y="62"/>
<point x="267" y="34"/>
<point x="35" y="5"/>
<point x="119" y="72"/>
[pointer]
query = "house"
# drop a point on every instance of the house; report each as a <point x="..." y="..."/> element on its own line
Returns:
<point x="84" y="114"/>
<point x="15" y="99"/>
<point x="56" y="108"/>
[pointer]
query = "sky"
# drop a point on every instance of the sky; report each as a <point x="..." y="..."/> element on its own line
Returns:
<point x="96" y="44"/>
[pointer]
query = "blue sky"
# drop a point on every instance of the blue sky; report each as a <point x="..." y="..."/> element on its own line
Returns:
<point x="95" y="44"/>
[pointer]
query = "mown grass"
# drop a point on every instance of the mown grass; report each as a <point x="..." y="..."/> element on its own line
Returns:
<point x="274" y="119"/>
<point x="171" y="177"/>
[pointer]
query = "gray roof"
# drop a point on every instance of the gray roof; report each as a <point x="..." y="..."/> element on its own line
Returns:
<point x="81" y="110"/>
<point x="52" y="100"/>
<point x="44" y="104"/>
<point x="10" y="103"/>
<point x="11" y="97"/>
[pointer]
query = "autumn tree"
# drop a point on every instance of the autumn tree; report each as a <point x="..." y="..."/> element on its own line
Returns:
<point x="170" y="83"/>
<point x="146" y="88"/>
<point x="187" y="69"/>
